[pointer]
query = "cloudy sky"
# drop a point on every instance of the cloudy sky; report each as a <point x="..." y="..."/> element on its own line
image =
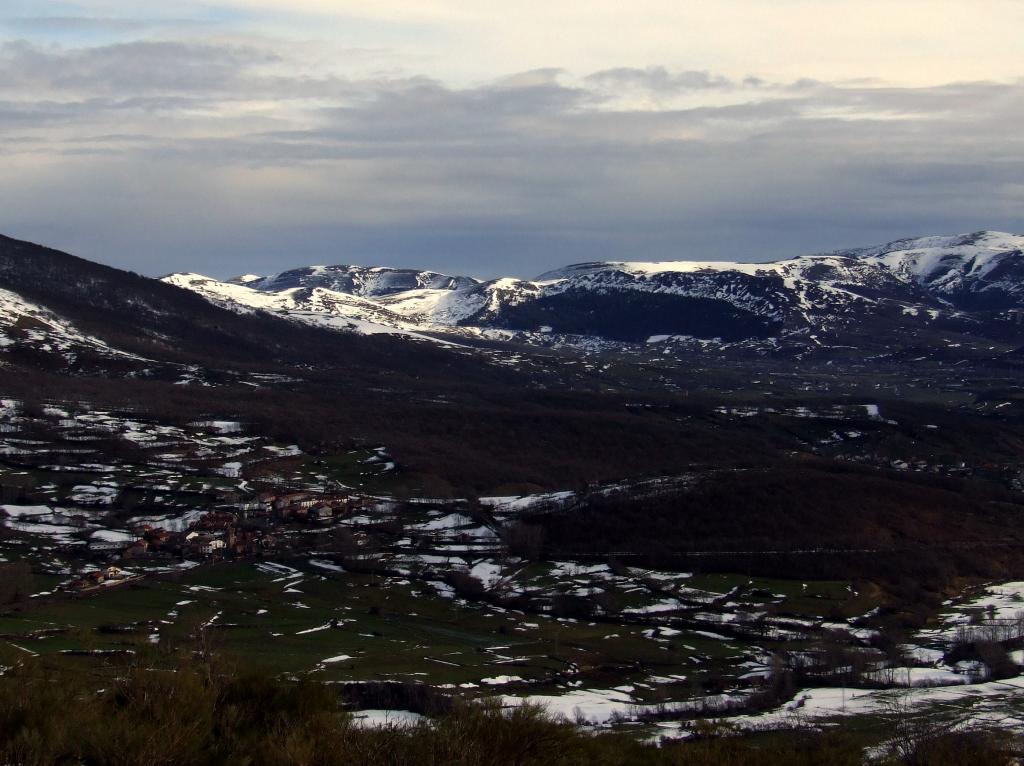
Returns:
<point x="226" y="136"/>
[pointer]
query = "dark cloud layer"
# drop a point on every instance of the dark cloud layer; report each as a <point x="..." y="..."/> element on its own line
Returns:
<point x="238" y="156"/>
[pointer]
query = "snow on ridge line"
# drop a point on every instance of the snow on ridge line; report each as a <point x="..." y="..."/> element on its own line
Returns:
<point x="986" y="244"/>
<point x="317" y="306"/>
<point x="379" y="299"/>
<point x="364" y="281"/>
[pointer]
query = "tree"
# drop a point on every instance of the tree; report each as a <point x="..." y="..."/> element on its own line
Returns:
<point x="524" y="540"/>
<point x="15" y="582"/>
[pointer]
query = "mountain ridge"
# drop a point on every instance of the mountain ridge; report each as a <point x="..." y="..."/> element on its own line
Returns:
<point x="947" y="281"/>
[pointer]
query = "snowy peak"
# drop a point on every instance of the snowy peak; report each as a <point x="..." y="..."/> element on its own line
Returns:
<point x="982" y="271"/>
<point x="978" y="242"/>
<point x="364" y="281"/>
<point x="921" y="258"/>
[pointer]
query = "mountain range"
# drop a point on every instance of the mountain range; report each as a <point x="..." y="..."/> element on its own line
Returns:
<point x="948" y="299"/>
<point x="963" y="288"/>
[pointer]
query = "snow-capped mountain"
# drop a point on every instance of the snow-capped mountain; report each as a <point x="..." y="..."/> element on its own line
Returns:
<point x="363" y="281"/>
<point x="958" y="284"/>
<point x="980" y="271"/>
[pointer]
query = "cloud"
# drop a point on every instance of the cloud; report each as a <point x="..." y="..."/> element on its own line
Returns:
<point x="911" y="42"/>
<point x="153" y="154"/>
<point x="659" y="79"/>
<point x="134" y="67"/>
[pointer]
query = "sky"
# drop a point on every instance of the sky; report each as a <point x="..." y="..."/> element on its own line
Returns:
<point x="251" y="136"/>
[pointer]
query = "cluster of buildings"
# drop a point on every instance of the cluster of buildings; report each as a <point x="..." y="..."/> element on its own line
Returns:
<point x="102" y="578"/>
<point x="241" y="527"/>
<point x="299" y="506"/>
<point x="216" y="533"/>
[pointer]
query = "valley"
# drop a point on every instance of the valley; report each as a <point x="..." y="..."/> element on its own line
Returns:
<point x="774" y="532"/>
<point x="493" y="597"/>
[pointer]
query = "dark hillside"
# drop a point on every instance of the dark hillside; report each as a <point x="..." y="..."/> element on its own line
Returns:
<point x="803" y="520"/>
<point x="634" y="316"/>
<point x="165" y="322"/>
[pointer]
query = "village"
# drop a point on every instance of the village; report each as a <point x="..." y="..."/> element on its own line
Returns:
<point x="238" y="526"/>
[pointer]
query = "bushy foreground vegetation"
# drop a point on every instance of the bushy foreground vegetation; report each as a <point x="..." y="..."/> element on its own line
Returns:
<point x="197" y="711"/>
